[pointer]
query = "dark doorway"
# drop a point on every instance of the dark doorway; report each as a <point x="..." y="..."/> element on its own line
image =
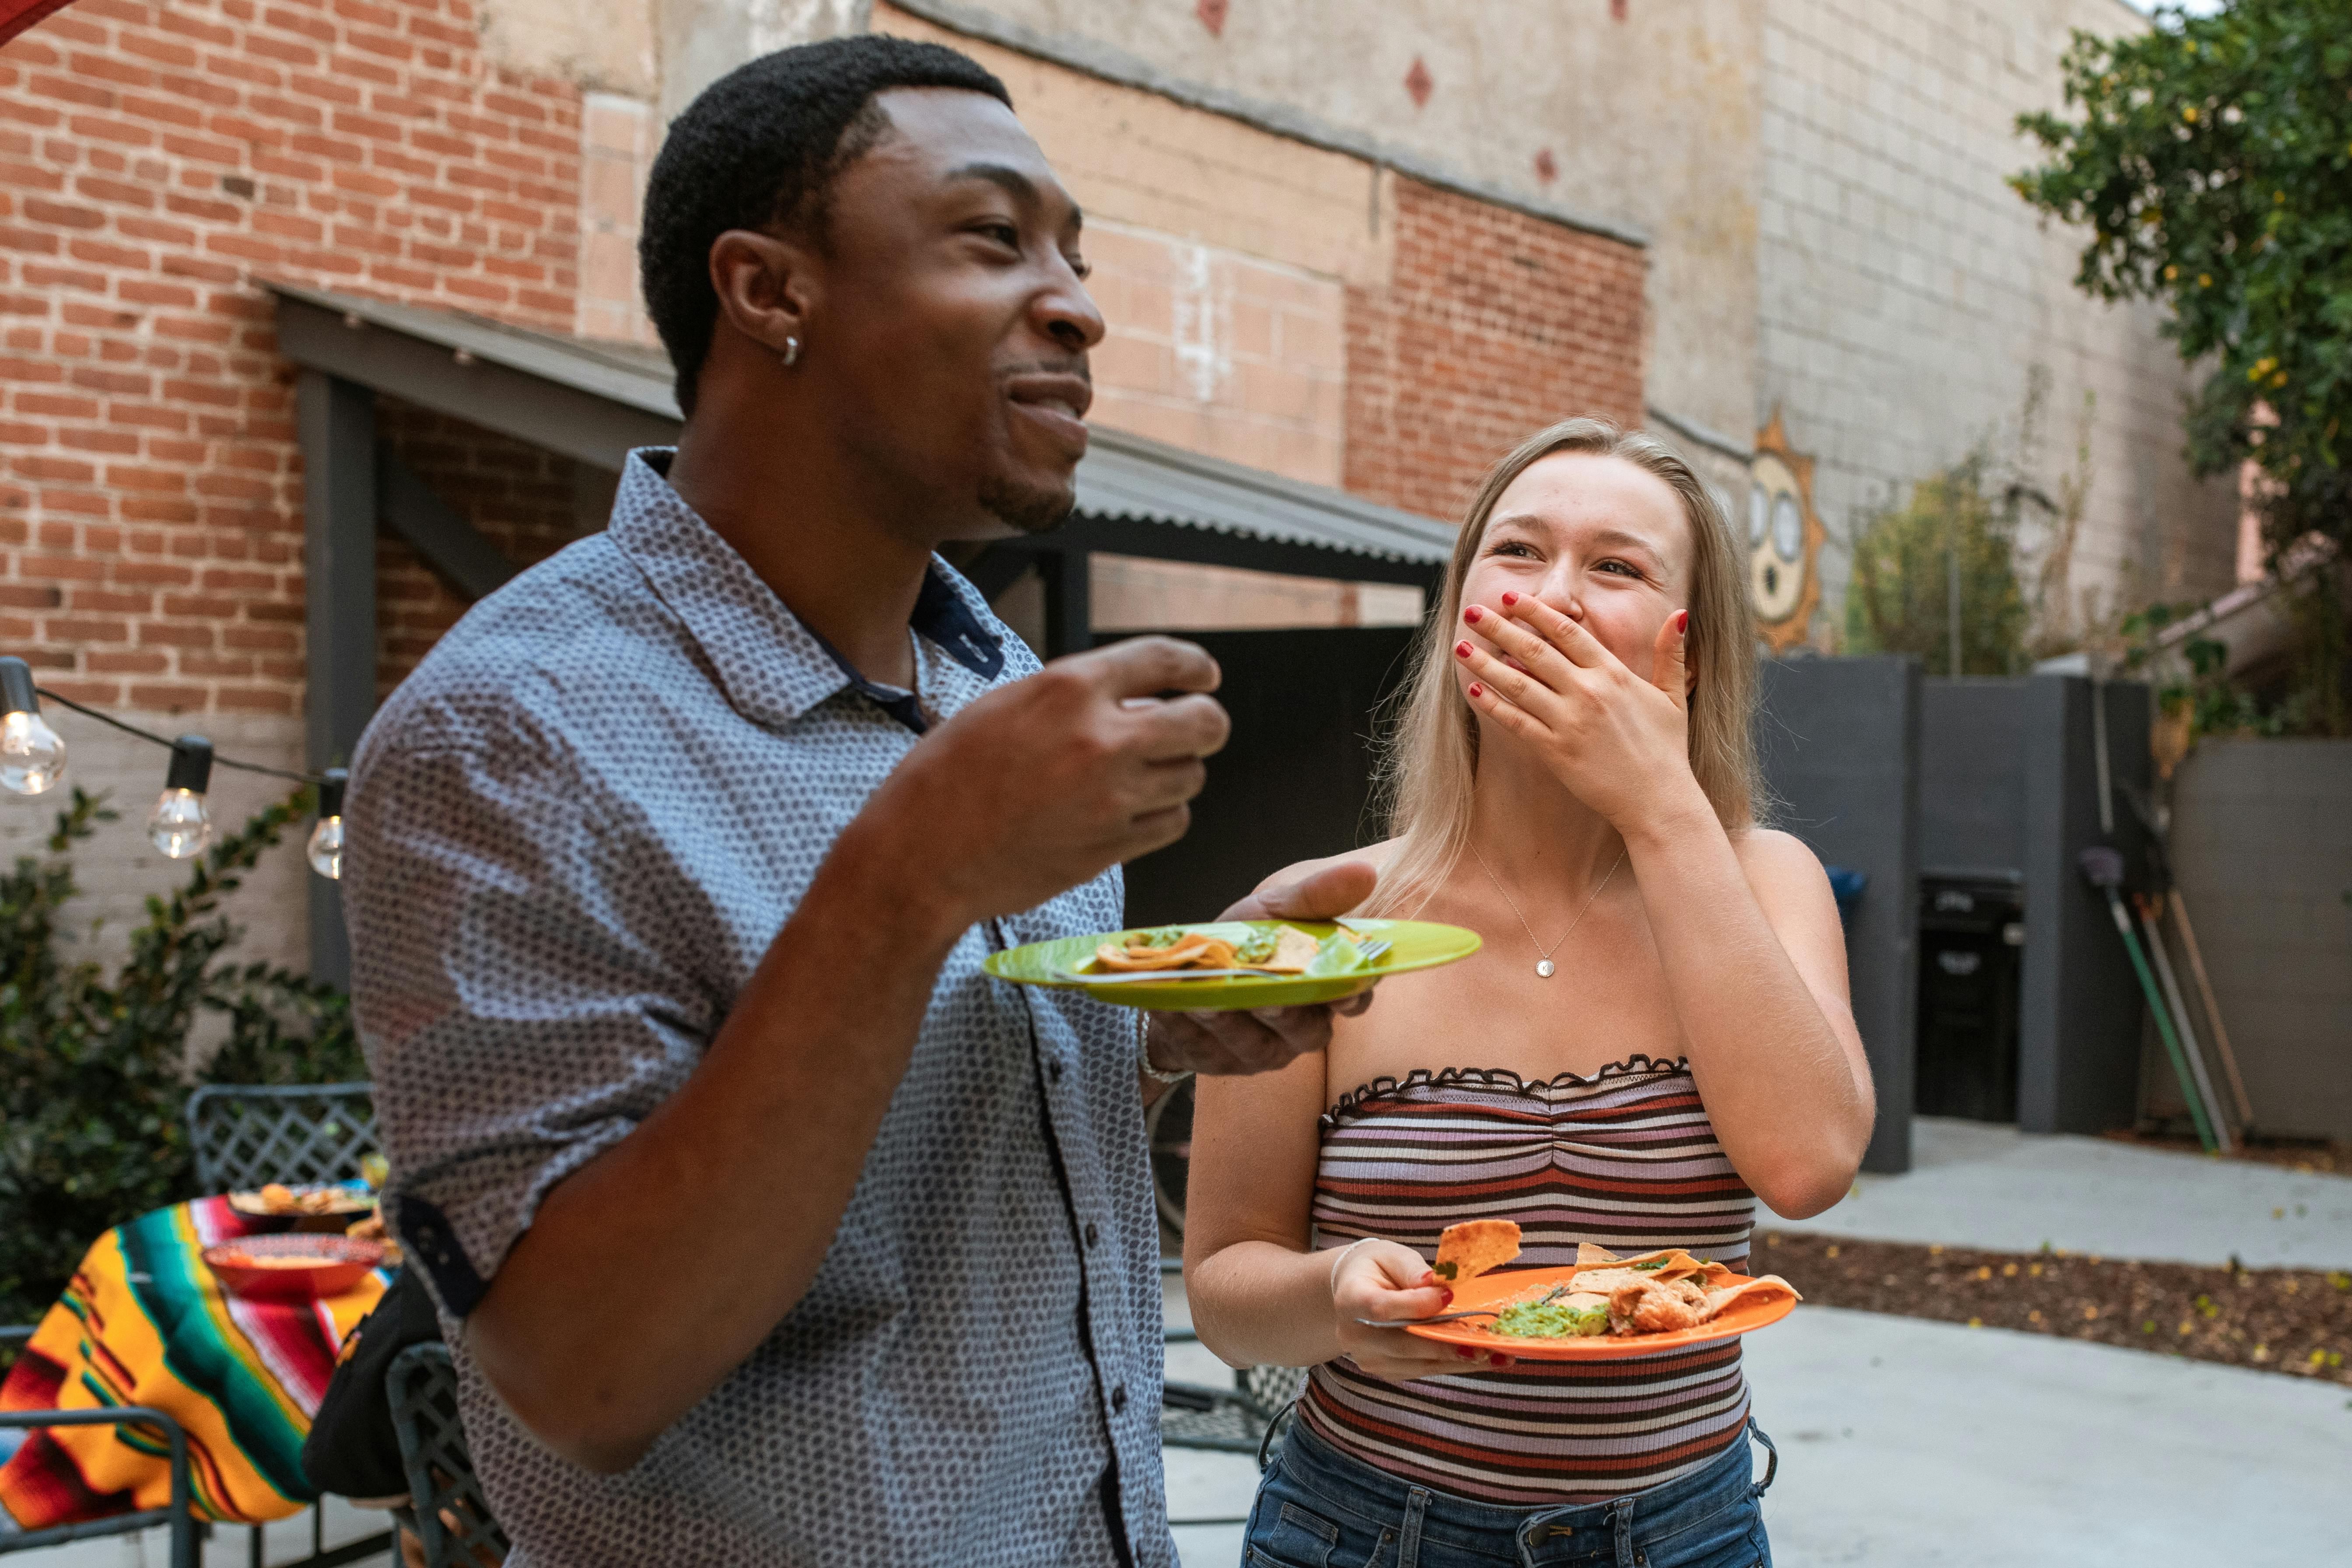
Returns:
<point x="1294" y="782"/>
<point x="1971" y="936"/>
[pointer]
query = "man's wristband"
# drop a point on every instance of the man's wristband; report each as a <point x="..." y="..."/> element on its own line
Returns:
<point x="1143" y="1053"/>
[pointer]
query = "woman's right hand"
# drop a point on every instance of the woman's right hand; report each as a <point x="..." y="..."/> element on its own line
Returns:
<point x="1385" y="1280"/>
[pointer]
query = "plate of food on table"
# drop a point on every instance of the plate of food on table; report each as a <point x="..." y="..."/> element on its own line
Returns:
<point x="1224" y="965"/>
<point x="1599" y="1307"/>
<point x="322" y="1205"/>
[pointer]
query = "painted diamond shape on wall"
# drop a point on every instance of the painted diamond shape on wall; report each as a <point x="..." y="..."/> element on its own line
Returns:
<point x="1213" y="15"/>
<point x="1418" y="82"/>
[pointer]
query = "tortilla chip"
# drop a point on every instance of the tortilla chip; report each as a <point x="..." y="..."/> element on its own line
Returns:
<point x="1667" y="1264"/>
<point x="1294" y="950"/>
<point x="1466" y="1250"/>
<point x="1194" y="952"/>
<point x="1769" y="1285"/>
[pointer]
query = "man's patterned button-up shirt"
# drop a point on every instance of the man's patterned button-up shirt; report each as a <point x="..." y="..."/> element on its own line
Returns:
<point x="573" y="833"/>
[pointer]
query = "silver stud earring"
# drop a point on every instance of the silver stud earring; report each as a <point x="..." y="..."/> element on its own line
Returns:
<point x="791" y="353"/>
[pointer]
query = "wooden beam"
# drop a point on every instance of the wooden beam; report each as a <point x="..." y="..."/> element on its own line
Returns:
<point x="474" y="566"/>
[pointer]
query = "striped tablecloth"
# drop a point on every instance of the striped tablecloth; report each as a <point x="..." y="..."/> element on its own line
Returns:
<point x="145" y="1322"/>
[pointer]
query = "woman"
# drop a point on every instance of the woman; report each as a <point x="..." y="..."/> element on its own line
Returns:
<point x="1655" y="1034"/>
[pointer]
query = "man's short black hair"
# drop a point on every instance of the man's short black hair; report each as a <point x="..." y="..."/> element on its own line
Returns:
<point x="758" y="147"/>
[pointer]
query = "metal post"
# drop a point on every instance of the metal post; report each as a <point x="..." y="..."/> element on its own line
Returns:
<point x="336" y="420"/>
<point x="1070" y="608"/>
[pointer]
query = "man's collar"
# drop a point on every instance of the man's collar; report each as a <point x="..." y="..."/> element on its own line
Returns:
<point x="772" y="667"/>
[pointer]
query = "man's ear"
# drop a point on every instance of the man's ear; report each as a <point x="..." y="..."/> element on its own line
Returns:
<point x="766" y="285"/>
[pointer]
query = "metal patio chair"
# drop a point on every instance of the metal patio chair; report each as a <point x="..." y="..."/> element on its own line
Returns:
<point x="447" y="1511"/>
<point x="185" y="1530"/>
<point x="245" y="1135"/>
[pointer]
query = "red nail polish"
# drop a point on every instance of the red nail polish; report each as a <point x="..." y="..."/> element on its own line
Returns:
<point x="1474" y="612"/>
<point x="1461" y="1354"/>
<point x="1682" y="620"/>
<point x="1461" y="650"/>
<point x="1447" y="1300"/>
<point x="1476" y="690"/>
<point x="1509" y="599"/>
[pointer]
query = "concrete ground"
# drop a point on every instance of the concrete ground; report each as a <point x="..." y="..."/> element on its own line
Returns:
<point x="1974" y="1184"/>
<point x="1904" y="1442"/>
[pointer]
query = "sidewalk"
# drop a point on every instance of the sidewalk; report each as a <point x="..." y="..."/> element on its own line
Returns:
<point x="1975" y="1184"/>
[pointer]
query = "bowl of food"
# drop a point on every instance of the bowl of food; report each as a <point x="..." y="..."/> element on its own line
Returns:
<point x="291" y="1268"/>
<point x="316" y="1207"/>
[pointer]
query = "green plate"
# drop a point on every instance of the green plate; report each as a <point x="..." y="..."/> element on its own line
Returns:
<point x="1413" y="944"/>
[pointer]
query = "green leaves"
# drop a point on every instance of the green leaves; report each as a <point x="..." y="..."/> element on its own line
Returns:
<point x="94" y="1069"/>
<point x="2210" y="160"/>
<point x="1899" y="599"/>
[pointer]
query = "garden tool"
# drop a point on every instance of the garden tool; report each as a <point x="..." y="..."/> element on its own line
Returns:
<point x="2103" y="867"/>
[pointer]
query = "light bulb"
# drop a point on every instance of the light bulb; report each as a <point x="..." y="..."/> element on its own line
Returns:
<point x="32" y="758"/>
<point x="180" y="825"/>
<point x="326" y="849"/>
<point x="325" y="846"/>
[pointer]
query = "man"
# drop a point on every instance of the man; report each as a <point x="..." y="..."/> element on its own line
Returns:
<point x="766" y="1227"/>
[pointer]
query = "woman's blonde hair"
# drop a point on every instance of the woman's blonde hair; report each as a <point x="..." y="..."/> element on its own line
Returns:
<point x="1431" y="758"/>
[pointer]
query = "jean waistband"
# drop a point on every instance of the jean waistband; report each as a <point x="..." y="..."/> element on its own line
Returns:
<point x="1545" y="1533"/>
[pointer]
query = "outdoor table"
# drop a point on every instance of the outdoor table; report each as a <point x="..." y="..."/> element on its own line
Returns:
<point x="144" y="1323"/>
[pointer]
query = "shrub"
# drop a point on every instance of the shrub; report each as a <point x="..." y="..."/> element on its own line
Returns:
<point x="1959" y="525"/>
<point x="94" y="1071"/>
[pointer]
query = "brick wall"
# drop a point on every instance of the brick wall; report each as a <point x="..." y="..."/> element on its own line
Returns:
<point x="1492" y="325"/>
<point x="154" y="161"/>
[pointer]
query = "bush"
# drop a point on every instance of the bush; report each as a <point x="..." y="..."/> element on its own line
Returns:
<point x="94" y="1071"/>
<point x="1899" y="599"/>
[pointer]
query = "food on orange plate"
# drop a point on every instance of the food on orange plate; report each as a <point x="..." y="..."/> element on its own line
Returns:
<point x="277" y="1198"/>
<point x="1655" y="1293"/>
<point x="1466" y="1250"/>
<point x="236" y="1259"/>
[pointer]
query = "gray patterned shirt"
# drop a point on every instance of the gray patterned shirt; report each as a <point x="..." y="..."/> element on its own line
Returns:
<point x="573" y="831"/>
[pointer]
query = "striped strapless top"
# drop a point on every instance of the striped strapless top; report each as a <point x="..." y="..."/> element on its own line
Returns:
<point x="1627" y="1159"/>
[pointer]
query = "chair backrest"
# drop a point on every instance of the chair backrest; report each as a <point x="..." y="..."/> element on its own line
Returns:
<point x="245" y="1135"/>
<point x="454" y="1523"/>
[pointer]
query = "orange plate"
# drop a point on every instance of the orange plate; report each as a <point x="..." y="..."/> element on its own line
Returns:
<point x="1497" y="1289"/>
<point x="330" y="1266"/>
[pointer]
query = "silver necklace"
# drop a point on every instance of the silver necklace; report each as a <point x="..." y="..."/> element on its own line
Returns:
<point x="1543" y="964"/>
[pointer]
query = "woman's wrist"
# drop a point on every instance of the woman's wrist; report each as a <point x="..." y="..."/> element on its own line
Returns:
<point x="1337" y="1258"/>
<point x="1670" y="815"/>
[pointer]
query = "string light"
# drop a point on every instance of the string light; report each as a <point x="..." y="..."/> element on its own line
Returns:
<point x="325" y="846"/>
<point x="32" y="759"/>
<point x="180" y="825"/>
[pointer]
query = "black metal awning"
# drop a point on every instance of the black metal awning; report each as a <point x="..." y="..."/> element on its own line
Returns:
<point x="593" y="402"/>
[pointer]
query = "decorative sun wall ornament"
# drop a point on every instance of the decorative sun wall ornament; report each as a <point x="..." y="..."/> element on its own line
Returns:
<point x="1784" y="539"/>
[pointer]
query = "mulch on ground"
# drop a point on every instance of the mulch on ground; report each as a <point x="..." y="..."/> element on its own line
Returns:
<point x="2306" y="1155"/>
<point x="2292" y="1320"/>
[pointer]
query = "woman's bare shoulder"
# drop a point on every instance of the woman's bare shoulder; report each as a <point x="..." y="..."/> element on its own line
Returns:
<point x="1783" y="859"/>
<point x="1376" y="856"/>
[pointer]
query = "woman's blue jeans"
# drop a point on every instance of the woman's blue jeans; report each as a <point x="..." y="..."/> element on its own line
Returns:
<point x="1318" y="1508"/>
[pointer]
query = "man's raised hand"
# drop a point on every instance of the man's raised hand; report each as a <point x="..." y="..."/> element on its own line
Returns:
<point x="1044" y="783"/>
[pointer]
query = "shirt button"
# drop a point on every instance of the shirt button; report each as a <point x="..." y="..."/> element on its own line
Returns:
<point x="1094" y="1233"/>
<point x="1119" y="1398"/>
<point x="1054" y="1071"/>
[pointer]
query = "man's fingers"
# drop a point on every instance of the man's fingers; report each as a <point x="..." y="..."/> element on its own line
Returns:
<point x="1323" y="894"/>
<point x="1182" y="727"/>
<point x="1145" y="667"/>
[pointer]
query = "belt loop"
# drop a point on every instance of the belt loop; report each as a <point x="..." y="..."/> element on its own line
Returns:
<point x="1771" y="1460"/>
<point x="1416" y="1503"/>
<point x="1621" y="1515"/>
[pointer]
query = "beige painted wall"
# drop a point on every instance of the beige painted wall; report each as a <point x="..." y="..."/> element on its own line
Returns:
<point x="1650" y="122"/>
<point x="608" y="47"/>
<point x="1909" y="295"/>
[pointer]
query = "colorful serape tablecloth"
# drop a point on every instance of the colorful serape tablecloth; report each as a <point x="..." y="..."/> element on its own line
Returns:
<point x="145" y="1322"/>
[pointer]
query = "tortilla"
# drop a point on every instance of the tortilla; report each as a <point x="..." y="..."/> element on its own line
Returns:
<point x="1667" y="1264"/>
<point x="1466" y="1250"/>
<point x="1294" y="950"/>
<point x="1195" y="952"/>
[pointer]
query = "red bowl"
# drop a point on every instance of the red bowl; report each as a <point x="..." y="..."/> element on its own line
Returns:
<point x="291" y="1268"/>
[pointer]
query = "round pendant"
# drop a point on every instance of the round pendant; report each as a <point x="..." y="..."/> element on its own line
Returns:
<point x="1543" y="967"/>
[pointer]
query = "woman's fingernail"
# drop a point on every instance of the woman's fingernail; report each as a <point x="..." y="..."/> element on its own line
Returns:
<point x="1681" y="621"/>
<point x="1461" y="650"/>
<point x="1460" y="1353"/>
<point x="1476" y="690"/>
<point x="1474" y="612"/>
<point x="1509" y="599"/>
<point x="1501" y="1361"/>
<point x="1448" y="1300"/>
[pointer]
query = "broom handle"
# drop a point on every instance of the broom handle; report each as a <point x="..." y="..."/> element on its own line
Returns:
<point x="2163" y="1021"/>
<point x="2189" y="1046"/>
<point x="2180" y="906"/>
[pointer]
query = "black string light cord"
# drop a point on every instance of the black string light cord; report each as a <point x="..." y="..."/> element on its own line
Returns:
<point x="167" y="742"/>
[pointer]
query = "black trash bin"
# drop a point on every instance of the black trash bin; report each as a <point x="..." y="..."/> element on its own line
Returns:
<point x="1971" y="937"/>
